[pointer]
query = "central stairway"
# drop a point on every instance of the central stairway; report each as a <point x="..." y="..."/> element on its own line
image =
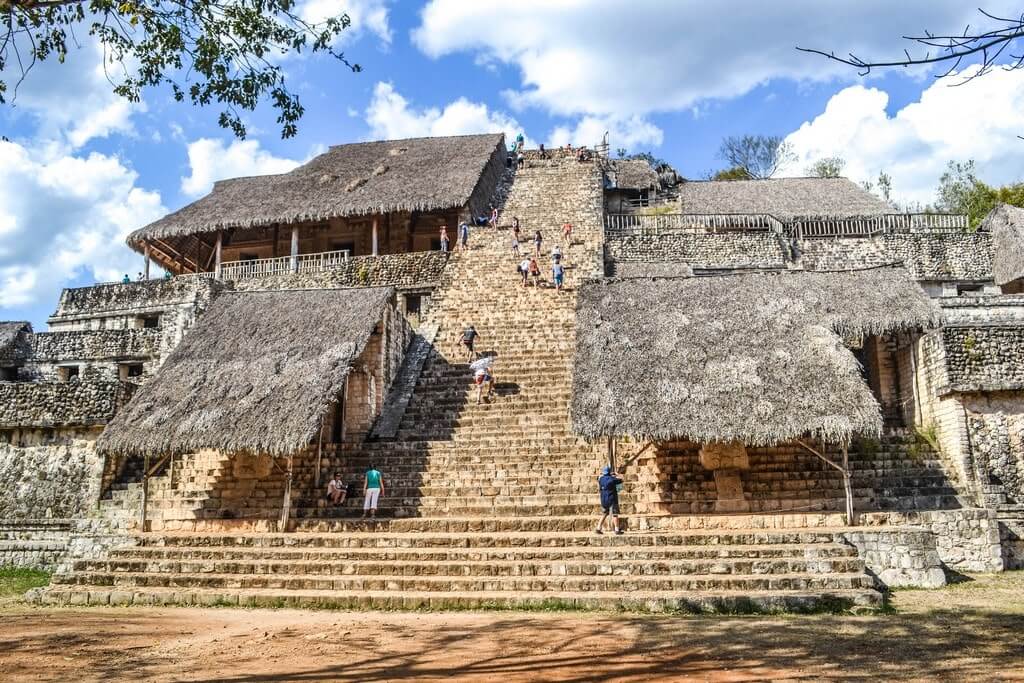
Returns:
<point x="491" y="504"/>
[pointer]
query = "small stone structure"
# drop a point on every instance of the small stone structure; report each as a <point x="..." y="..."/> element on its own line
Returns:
<point x="726" y="460"/>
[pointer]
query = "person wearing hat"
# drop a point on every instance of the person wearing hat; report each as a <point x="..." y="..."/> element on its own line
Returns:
<point x="609" y="484"/>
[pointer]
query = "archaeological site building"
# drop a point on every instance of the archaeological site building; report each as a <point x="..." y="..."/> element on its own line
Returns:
<point x="810" y="397"/>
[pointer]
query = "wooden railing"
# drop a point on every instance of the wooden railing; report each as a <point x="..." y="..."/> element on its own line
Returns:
<point x="303" y="263"/>
<point x="656" y="224"/>
<point x="617" y="225"/>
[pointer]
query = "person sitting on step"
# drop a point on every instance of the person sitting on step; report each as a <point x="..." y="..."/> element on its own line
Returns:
<point x="337" y="491"/>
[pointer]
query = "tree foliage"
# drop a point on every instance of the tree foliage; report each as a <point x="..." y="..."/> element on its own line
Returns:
<point x="734" y="173"/>
<point x="760" y="156"/>
<point x="961" y="191"/>
<point x="828" y="167"/>
<point x="222" y="52"/>
<point x="652" y="161"/>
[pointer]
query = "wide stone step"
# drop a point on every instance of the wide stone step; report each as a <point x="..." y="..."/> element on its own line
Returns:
<point x="716" y="602"/>
<point x="695" y="582"/>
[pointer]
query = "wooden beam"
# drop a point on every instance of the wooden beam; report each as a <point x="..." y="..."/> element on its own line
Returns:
<point x="373" y="237"/>
<point x="295" y="248"/>
<point x="847" y="486"/>
<point x="217" y="255"/>
<point x="146" y="269"/>
<point x="286" y="505"/>
<point x="145" y="493"/>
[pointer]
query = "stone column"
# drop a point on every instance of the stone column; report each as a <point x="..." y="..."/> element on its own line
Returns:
<point x="726" y="460"/>
<point x="295" y="249"/>
<point x="373" y="236"/>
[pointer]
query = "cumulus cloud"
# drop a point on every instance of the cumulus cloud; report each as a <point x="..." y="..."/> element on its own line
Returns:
<point x="63" y="216"/>
<point x="978" y="120"/>
<point x="368" y="16"/>
<point x="620" y="59"/>
<point x="390" y="115"/>
<point x="73" y="103"/>
<point x="210" y="160"/>
<point x="631" y="132"/>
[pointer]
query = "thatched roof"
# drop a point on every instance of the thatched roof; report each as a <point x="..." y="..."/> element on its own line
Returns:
<point x="14" y="345"/>
<point x="1007" y="225"/>
<point x="755" y="358"/>
<point x="784" y="198"/>
<point x="255" y="375"/>
<point x="631" y="174"/>
<point x="420" y="174"/>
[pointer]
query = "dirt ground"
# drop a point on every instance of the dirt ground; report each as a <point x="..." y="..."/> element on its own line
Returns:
<point x="970" y="631"/>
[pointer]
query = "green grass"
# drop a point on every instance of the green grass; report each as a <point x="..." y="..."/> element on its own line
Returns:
<point x="15" y="581"/>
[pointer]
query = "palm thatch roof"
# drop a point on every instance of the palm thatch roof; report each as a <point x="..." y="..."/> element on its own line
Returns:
<point x="756" y="358"/>
<point x="784" y="198"/>
<point x="419" y="174"/>
<point x="1007" y="225"/>
<point x="631" y="174"/>
<point x="255" y="375"/>
<point x="14" y="343"/>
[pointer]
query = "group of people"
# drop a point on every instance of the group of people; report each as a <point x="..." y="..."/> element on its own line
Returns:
<point x="529" y="266"/>
<point x="373" y="489"/>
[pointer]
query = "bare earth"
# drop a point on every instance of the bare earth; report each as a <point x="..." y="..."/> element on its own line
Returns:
<point x="971" y="631"/>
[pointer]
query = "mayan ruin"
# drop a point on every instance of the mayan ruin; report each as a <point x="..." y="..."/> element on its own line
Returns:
<point x="810" y="398"/>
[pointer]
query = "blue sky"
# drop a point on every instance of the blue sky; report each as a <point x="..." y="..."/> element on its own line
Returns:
<point x="82" y="168"/>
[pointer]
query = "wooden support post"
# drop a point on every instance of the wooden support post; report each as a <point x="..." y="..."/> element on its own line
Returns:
<point x="217" y="261"/>
<point x="286" y="505"/>
<point x="373" y="236"/>
<point x="295" y="248"/>
<point x="319" y="453"/>
<point x="847" y="487"/>
<point x="146" y="270"/>
<point x="145" y="493"/>
<point x="611" y="453"/>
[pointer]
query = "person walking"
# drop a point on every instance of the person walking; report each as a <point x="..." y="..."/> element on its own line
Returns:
<point x="537" y="240"/>
<point x="463" y="236"/>
<point x="558" y="274"/>
<point x="373" y="489"/>
<point x="535" y="272"/>
<point x="567" y="233"/>
<point x="483" y="376"/>
<point x="515" y="246"/>
<point x="608" y="484"/>
<point x="444" y="238"/>
<point x="524" y="270"/>
<point x="469" y="337"/>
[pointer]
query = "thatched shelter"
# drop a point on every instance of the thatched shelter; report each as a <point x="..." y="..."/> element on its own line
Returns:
<point x="755" y="358"/>
<point x="785" y="198"/>
<point x="256" y="375"/>
<point x="631" y="174"/>
<point x="1007" y="225"/>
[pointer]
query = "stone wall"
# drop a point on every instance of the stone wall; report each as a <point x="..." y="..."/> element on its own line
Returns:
<point x="417" y="269"/>
<point x="49" y="473"/>
<point x="984" y="358"/>
<point x="984" y="310"/>
<point x="61" y="404"/>
<point x="899" y="557"/>
<point x="996" y="423"/>
<point x="943" y="255"/>
<point x="33" y="543"/>
<point x="727" y="250"/>
<point x="18" y="351"/>
<point x="966" y="540"/>
<point x="96" y="345"/>
<point x="110" y="299"/>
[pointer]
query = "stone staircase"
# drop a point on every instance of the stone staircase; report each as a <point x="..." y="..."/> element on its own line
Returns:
<point x="485" y="505"/>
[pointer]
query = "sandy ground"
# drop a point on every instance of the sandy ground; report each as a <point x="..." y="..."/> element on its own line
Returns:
<point x="972" y="631"/>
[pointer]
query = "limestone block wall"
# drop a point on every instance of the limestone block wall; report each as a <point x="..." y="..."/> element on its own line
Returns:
<point x="966" y="540"/>
<point x="726" y="250"/>
<point x="61" y="404"/>
<point x="996" y="422"/>
<point x="943" y="255"/>
<point x="984" y="357"/>
<point x="98" y="354"/>
<point x="983" y="310"/>
<point x="416" y="269"/>
<point x="49" y="473"/>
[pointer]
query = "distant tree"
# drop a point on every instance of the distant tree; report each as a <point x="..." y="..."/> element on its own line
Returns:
<point x="884" y="186"/>
<point x="828" y="167"/>
<point x="760" y="156"/>
<point x="205" y="51"/>
<point x="735" y="173"/>
<point x="653" y="161"/>
<point x="961" y="191"/>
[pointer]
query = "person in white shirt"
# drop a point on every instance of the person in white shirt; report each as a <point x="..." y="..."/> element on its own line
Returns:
<point x="337" y="491"/>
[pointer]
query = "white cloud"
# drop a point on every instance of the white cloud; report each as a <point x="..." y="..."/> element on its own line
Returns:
<point x="390" y="117"/>
<point x="620" y="59"/>
<point x="368" y="16"/>
<point x="73" y="103"/>
<point x="210" y="159"/>
<point x="978" y="120"/>
<point x="62" y="216"/>
<point x="632" y="132"/>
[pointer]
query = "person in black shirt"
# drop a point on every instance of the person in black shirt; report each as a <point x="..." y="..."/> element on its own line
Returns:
<point x="469" y="336"/>
<point x="609" y="483"/>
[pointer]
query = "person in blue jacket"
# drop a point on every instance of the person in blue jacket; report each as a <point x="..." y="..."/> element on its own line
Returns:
<point x="609" y="484"/>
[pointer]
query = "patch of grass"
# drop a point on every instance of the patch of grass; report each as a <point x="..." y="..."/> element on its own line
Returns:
<point x="15" y="581"/>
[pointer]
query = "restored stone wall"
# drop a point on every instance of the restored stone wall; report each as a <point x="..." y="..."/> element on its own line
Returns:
<point x="58" y="404"/>
<point x="49" y="473"/>
<point x="966" y="540"/>
<point x="984" y="358"/>
<point x="728" y="250"/>
<point x="983" y="310"/>
<point x="418" y="269"/>
<point x="899" y="557"/>
<point x="996" y="422"/>
<point x="110" y="299"/>
<point x="35" y="543"/>
<point x="943" y="255"/>
<point x="96" y="345"/>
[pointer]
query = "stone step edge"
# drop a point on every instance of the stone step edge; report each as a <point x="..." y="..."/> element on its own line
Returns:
<point x="692" y="602"/>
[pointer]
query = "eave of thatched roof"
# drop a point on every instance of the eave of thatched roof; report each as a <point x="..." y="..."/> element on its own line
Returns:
<point x="255" y="375"/>
<point x="784" y="198"/>
<point x="755" y="358"/>
<point x="1007" y="225"/>
<point x="419" y="174"/>
<point x="631" y="174"/>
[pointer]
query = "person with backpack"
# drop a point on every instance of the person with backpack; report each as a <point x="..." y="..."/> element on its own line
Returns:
<point x="608" y="484"/>
<point x="558" y="275"/>
<point x="373" y="489"/>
